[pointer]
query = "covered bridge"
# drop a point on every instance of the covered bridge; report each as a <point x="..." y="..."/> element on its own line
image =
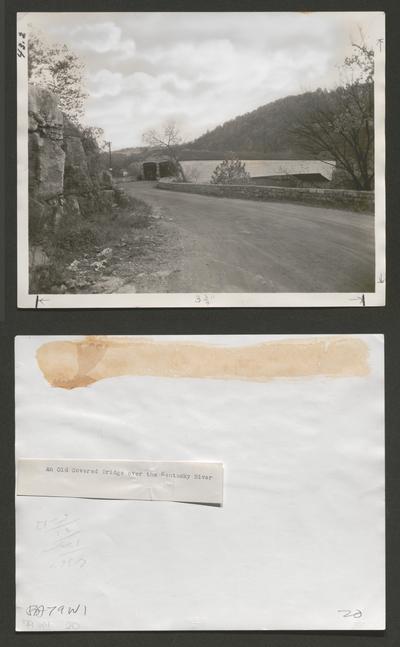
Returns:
<point x="156" y="167"/>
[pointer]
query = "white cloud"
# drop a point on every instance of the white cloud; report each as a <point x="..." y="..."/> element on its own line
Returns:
<point x="104" y="83"/>
<point x="200" y="68"/>
<point x="101" y="38"/>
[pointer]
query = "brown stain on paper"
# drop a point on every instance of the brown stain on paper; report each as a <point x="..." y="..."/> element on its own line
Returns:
<point x="72" y="364"/>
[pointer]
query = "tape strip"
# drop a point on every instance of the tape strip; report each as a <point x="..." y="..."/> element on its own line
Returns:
<point x="185" y="481"/>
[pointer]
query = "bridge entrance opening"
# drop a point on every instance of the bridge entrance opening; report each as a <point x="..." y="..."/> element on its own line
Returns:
<point x="150" y="170"/>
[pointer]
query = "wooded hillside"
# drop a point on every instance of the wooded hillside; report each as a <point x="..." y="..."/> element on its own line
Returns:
<point x="264" y="132"/>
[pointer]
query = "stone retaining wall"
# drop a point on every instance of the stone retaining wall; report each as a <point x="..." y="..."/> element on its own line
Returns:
<point x="362" y="201"/>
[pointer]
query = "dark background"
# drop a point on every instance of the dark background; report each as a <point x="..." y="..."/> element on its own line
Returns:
<point x="186" y="321"/>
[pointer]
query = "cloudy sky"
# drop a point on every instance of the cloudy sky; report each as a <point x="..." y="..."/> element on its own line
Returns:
<point x="199" y="69"/>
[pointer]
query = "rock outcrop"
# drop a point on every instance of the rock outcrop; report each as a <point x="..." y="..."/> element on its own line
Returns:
<point x="46" y="154"/>
<point x="65" y="175"/>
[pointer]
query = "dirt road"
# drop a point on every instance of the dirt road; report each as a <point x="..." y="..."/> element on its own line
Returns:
<point x="230" y="245"/>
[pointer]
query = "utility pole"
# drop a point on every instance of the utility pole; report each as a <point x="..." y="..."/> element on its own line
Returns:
<point x="109" y="156"/>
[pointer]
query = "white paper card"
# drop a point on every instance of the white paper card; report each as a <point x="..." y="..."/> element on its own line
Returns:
<point x="298" y="424"/>
<point x="184" y="481"/>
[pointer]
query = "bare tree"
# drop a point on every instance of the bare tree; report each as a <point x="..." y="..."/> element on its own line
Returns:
<point x="168" y="140"/>
<point x="340" y="123"/>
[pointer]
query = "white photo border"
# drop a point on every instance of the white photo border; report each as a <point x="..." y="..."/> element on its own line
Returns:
<point x="198" y="300"/>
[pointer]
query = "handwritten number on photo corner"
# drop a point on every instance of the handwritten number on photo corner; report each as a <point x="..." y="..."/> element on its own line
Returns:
<point x="350" y="613"/>
<point x="21" y="47"/>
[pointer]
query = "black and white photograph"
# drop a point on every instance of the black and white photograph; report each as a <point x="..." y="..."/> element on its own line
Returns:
<point x="201" y="159"/>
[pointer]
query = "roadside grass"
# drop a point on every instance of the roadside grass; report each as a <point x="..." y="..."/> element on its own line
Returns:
<point x="85" y="235"/>
<point x="88" y="241"/>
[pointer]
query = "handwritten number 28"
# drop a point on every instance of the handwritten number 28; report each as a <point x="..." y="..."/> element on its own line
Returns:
<point x="350" y="613"/>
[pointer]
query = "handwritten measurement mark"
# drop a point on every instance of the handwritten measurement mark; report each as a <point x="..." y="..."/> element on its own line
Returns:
<point x="39" y="300"/>
<point x="360" y="299"/>
<point x="63" y="541"/>
<point x="204" y="299"/>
